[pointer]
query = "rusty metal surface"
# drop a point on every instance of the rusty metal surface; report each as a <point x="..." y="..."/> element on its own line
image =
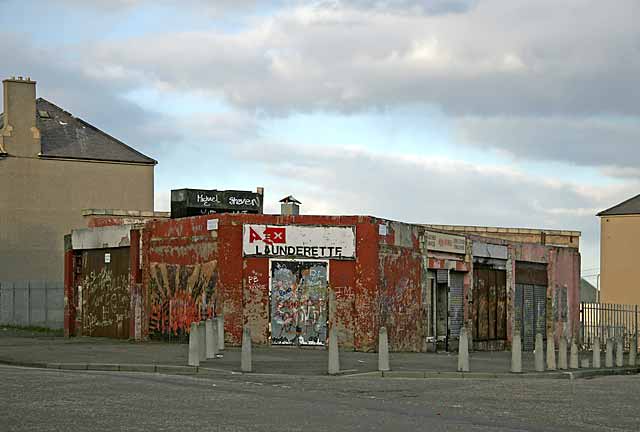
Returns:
<point x="489" y="297"/>
<point x="401" y="298"/>
<point x="105" y="299"/>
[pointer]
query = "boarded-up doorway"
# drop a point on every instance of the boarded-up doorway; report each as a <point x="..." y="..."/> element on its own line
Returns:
<point x="489" y="304"/>
<point x="103" y="292"/>
<point x="530" y="302"/>
<point x="299" y="302"/>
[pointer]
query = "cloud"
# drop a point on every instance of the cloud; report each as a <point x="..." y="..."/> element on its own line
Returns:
<point x="204" y="6"/>
<point x="493" y="59"/>
<point x="611" y="143"/>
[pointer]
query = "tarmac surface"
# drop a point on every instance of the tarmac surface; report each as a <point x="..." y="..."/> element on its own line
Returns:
<point x="54" y="400"/>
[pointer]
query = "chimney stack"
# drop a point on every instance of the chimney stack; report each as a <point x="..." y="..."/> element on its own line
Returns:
<point x="290" y="206"/>
<point x="19" y="135"/>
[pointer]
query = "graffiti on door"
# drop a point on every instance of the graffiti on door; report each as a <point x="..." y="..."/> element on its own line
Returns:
<point x="298" y="302"/>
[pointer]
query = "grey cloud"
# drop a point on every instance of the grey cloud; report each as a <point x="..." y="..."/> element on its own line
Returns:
<point x="411" y="6"/>
<point x="498" y="58"/>
<point x="608" y="142"/>
<point x="206" y="6"/>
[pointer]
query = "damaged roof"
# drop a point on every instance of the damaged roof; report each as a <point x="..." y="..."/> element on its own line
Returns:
<point x="628" y="207"/>
<point x="65" y="136"/>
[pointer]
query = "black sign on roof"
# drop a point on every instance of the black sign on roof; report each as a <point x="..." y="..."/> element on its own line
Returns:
<point x="196" y="202"/>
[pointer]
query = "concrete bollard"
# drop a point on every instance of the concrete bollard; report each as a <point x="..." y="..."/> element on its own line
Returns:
<point x="516" y="353"/>
<point x="633" y="351"/>
<point x="608" y="359"/>
<point x="194" y="345"/>
<point x="383" y="350"/>
<point x="539" y="353"/>
<point x="596" y="352"/>
<point x="245" y="358"/>
<point x="551" y="353"/>
<point x="562" y="353"/>
<point x="334" y="354"/>
<point x="573" y="359"/>
<point x="620" y="352"/>
<point x="585" y="363"/>
<point x="211" y="339"/>
<point x="203" y="341"/>
<point x="220" y="333"/>
<point x="463" y="351"/>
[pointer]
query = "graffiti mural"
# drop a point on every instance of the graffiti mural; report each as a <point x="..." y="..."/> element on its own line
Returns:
<point x="298" y="302"/>
<point x="181" y="294"/>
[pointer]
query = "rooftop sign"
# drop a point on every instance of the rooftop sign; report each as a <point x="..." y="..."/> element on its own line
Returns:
<point x="195" y="202"/>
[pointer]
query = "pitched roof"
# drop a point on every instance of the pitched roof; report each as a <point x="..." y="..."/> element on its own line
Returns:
<point x="628" y="207"/>
<point x="65" y="136"/>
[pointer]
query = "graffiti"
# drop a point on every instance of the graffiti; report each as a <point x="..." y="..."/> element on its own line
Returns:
<point x="181" y="294"/>
<point x="106" y="302"/>
<point x="298" y="307"/>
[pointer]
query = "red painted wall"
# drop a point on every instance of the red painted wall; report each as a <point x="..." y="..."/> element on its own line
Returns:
<point x="242" y="284"/>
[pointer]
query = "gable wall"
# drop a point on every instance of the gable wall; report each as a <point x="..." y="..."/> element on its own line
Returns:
<point x="41" y="200"/>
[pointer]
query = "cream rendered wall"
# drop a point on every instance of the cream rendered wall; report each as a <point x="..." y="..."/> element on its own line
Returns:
<point x="41" y="200"/>
<point x="619" y="259"/>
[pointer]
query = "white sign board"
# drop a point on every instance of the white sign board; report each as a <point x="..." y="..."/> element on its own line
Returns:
<point x="107" y="258"/>
<point x="446" y="243"/>
<point x="299" y="241"/>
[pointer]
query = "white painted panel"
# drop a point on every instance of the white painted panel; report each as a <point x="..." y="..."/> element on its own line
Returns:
<point x="299" y="241"/>
<point x="99" y="238"/>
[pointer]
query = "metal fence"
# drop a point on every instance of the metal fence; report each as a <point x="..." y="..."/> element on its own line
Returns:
<point x="32" y="303"/>
<point x="608" y="320"/>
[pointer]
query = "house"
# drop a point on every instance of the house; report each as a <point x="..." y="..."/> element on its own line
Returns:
<point x="54" y="165"/>
<point x="619" y="239"/>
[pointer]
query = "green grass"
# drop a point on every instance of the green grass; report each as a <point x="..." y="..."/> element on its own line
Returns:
<point x="34" y="329"/>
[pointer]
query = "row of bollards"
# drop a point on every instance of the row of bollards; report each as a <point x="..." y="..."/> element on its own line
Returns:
<point x="206" y="339"/>
<point x="516" y="356"/>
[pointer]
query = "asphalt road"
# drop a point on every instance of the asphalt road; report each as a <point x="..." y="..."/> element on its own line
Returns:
<point x="49" y="400"/>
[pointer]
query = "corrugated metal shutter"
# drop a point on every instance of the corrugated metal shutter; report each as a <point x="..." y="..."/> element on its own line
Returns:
<point x="530" y="313"/>
<point x="540" y="313"/>
<point x="442" y="276"/>
<point x="456" y="307"/>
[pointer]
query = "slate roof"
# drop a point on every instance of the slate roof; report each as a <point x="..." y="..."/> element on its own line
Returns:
<point x="588" y="293"/>
<point x="65" y="136"/>
<point x="628" y="207"/>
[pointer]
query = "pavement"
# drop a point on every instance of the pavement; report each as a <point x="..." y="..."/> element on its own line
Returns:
<point x="31" y="349"/>
<point x="55" y="400"/>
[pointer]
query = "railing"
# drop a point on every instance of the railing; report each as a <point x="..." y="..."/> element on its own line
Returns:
<point x="32" y="303"/>
<point x="608" y="320"/>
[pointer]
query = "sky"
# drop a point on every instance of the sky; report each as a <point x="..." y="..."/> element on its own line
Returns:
<point x="511" y="113"/>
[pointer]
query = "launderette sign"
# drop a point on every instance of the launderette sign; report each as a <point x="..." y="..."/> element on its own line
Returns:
<point x="299" y="241"/>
